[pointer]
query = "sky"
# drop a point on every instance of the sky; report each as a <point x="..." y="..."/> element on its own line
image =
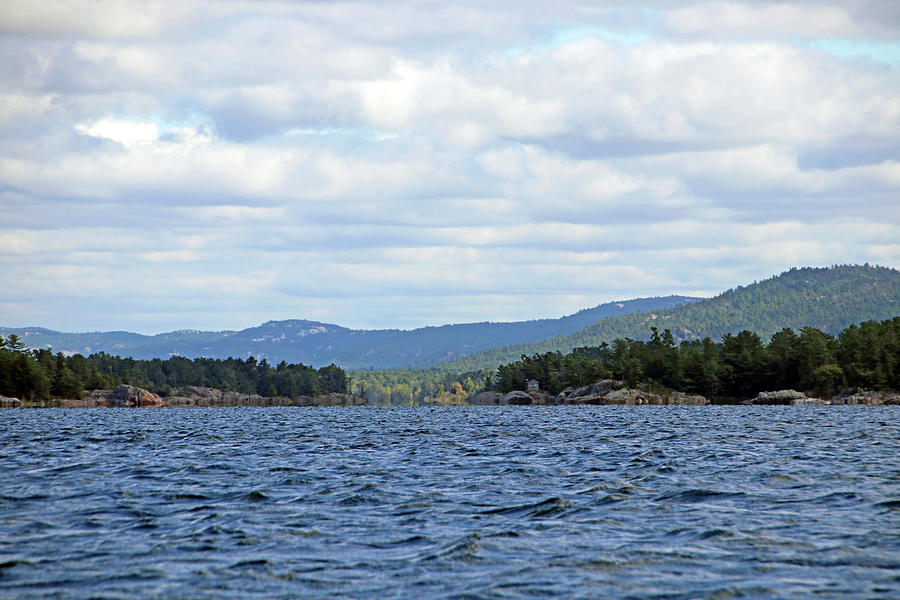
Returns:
<point x="215" y="165"/>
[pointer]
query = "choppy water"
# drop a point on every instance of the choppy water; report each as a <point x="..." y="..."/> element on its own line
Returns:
<point x="478" y="502"/>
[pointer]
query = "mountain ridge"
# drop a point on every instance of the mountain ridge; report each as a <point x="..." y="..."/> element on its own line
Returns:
<point x="827" y="298"/>
<point x="319" y="343"/>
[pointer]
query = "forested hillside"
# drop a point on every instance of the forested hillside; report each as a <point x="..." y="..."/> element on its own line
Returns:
<point x="829" y="299"/>
<point x="737" y="367"/>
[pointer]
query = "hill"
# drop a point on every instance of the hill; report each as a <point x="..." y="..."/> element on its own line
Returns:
<point x="829" y="299"/>
<point x="319" y="344"/>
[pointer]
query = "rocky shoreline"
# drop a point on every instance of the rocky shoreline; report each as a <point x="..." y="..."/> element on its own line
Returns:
<point x="606" y="392"/>
<point x="795" y="398"/>
<point x="130" y="396"/>
<point x="609" y="392"/>
<point x="603" y="393"/>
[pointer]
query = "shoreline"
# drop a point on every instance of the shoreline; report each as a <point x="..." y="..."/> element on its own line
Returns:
<point x="126" y="396"/>
<point x="612" y="392"/>
<point x="628" y="397"/>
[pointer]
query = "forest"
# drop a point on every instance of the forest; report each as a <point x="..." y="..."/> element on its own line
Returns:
<point x="829" y="299"/>
<point x="737" y="367"/>
<point x="431" y="385"/>
<point x="41" y="374"/>
<point x="740" y="366"/>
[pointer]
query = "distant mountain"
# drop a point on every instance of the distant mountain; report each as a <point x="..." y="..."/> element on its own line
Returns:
<point x="319" y="344"/>
<point x="829" y="299"/>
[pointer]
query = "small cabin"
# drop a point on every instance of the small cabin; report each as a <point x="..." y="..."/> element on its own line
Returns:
<point x="532" y="385"/>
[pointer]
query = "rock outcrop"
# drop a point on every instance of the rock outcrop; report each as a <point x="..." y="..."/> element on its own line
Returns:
<point x="795" y="398"/>
<point x="195" y="395"/>
<point x="96" y="397"/>
<point x="589" y="394"/>
<point x="486" y="398"/>
<point x="867" y="397"/>
<point x="7" y="402"/>
<point x="127" y="395"/>
<point x="786" y="398"/>
<point x="130" y="396"/>
<point x="603" y="392"/>
<point x="205" y="396"/>
<point x="681" y="398"/>
<point x="91" y="399"/>
<point x="611" y="392"/>
<point x="516" y="399"/>
<point x="333" y="399"/>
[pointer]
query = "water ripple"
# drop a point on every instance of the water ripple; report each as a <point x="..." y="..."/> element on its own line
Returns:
<point x="475" y="502"/>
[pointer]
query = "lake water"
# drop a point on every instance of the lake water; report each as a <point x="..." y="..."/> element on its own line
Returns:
<point x="455" y="502"/>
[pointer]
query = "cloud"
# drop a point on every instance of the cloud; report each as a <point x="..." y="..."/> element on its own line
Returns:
<point x="127" y="133"/>
<point x="728" y="19"/>
<point x="90" y="18"/>
<point x="407" y="163"/>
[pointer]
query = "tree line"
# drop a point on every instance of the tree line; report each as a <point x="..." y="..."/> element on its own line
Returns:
<point x="41" y="374"/>
<point x="829" y="299"/>
<point x="740" y="366"/>
<point x="431" y="385"/>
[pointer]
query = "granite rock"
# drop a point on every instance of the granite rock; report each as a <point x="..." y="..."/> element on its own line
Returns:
<point x="127" y="395"/>
<point x="516" y="398"/>
<point x="485" y="398"/>
<point x="7" y="402"/>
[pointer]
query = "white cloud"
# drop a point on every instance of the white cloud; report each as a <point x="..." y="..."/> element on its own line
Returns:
<point x="100" y="18"/>
<point x="128" y="133"/>
<point x="421" y="163"/>
<point x="761" y="19"/>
